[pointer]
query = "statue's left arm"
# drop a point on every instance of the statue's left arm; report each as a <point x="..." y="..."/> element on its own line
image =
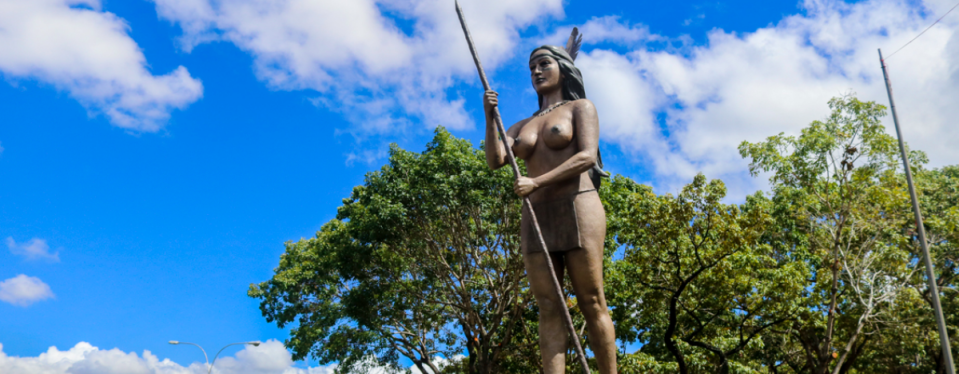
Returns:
<point x="586" y="135"/>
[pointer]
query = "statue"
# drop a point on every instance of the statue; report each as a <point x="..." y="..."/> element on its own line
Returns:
<point x="559" y="143"/>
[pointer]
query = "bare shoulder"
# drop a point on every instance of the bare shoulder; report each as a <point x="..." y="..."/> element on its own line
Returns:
<point x="583" y="108"/>
<point x="582" y="103"/>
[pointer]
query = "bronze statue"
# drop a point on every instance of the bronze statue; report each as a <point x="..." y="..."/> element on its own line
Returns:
<point x="559" y="143"/>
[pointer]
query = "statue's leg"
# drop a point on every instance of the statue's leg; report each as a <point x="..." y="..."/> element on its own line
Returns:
<point x="585" y="268"/>
<point x="553" y="338"/>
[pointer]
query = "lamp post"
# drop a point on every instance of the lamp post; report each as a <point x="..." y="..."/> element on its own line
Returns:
<point x="207" y="358"/>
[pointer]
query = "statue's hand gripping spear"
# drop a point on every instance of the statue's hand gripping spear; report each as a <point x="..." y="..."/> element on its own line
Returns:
<point x="526" y="204"/>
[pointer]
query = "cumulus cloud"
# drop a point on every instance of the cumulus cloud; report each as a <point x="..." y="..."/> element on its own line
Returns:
<point x="35" y="249"/>
<point x="75" y="47"/>
<point x="605" y="29"/>
<point x="359" y="55"/>
<point x="22" y="290"/>
<point x="271" y="357"/>
<point x="440" y="363"/>
<point x="685" y="110"/>
<point x="682" y="109"/>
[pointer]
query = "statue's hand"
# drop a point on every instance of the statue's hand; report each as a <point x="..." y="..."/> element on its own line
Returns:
<point x="490" y="101"/>
<point x="524" y="186"/>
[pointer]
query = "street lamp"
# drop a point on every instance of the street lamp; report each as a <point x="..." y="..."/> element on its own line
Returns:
<point x="207" y="358"/>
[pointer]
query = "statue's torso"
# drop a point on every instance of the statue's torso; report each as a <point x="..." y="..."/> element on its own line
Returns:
<point x="546" y="142"/>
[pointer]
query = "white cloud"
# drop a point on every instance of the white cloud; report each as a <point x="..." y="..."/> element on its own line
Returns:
<point x="22" y="290"/>
<point x="269" y="358"/>
<point x="440" y="363"/>
<point x="747" y="86"/>
<point x="75" y="47"/>
<point x="35" y="249"/>
<point x="608" y="29"/>
<point x="356" y="55"/>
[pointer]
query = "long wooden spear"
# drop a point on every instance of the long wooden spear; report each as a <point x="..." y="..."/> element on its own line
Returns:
<point x="526" y="204"/>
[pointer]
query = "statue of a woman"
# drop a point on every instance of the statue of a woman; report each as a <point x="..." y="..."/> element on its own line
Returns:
<point x="560" y="146"/>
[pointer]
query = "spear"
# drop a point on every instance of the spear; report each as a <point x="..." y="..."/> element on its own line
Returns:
<point x="526" y="204"/>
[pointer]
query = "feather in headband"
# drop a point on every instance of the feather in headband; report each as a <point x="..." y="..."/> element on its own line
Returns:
<point x="574" y="42"/>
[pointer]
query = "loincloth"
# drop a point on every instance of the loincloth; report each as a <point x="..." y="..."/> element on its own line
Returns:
<point x="559" y="223"/>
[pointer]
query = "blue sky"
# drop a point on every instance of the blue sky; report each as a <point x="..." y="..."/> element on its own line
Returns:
<point x="156" y="154"/>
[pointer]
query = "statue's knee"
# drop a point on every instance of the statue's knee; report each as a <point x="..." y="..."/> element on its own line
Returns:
<point x="592" y="306"/>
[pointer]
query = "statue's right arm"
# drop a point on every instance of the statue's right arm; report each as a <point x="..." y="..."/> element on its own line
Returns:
<point x="495" y="151"/>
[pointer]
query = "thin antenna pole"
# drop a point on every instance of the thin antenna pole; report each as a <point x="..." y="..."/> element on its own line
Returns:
<point x="526" y="204"/>
<point x="927" y="258"/>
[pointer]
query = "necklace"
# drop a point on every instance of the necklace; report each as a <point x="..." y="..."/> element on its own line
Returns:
<point x="542" y="112"/>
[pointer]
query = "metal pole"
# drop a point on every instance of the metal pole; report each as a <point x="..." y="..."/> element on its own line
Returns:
<point x="255" y="344"/>
<point x="526" y="203"/>
<point x="927" y="259"/>
<point x="205" y="357"/>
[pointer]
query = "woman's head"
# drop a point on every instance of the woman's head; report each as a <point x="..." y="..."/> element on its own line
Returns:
<point x="569" y="78"/>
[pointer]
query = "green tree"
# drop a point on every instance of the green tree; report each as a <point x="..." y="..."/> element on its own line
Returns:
<point x="913" y="347"/>
<point x="822" y="275"/>
<point x="423" y="260"/>
<point x="696" y="285"/>
<point x="835" y="191"/>
<point x="939" y="200"/>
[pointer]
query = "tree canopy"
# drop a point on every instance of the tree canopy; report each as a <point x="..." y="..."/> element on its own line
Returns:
<point x="422" y="261"/>
<point x="818" y="274"/>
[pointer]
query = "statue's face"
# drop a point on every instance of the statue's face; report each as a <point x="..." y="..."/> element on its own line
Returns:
<point x="544" y="72"/>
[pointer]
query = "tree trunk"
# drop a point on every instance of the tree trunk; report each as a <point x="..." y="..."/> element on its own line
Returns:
<point x="848" y="347"/>
<point x="670" y="330"/>
<point x="419" y="365"/>
<point x="825" y="357"/>
<point x="471" y="367"/>
<point x="846" y="366"/>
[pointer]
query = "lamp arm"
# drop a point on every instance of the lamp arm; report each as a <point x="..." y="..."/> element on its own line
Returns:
<point x="221" y="350"/>
<point x="205" y="357"/>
